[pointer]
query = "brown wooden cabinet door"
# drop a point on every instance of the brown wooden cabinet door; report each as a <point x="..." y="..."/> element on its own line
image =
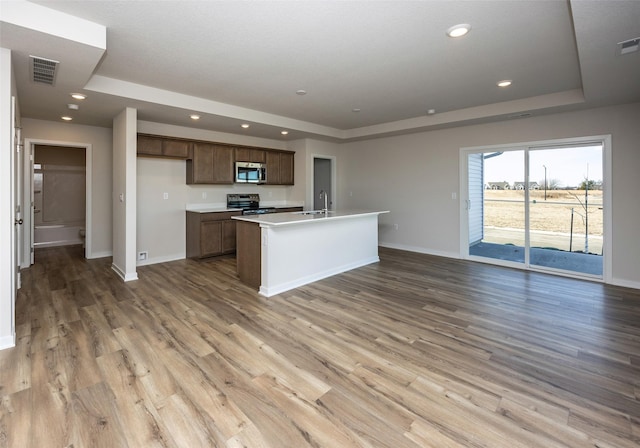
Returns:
<point x="273" y="167"/>
<point x="223" y="164"/>
<point x="286" y="168"/>
<point x="228" y="236"/>
<point x="176" y="148"/>
<point x="244" y="154"/>
<point x="211" y="164"/>
<point x="202" y="166"/>
<point x="210" y="238"/>
<point x="151" y="146"/>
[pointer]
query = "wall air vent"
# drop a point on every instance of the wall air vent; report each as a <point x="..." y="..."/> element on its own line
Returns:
<point x="629" y="46"/>
<point x="522" y="115"/>
<point x="43" y="70"/>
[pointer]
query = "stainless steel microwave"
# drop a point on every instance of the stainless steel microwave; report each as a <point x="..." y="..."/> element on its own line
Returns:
<point x="251" y="173"/>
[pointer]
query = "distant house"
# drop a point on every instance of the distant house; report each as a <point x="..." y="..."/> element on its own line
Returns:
<point x="498" y="186"/>
<point x="520" y="186"/>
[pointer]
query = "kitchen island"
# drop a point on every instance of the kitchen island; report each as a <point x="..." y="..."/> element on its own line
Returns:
<point x="279" y="252"/>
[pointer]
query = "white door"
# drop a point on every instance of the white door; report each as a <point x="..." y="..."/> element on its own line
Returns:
<point x="17" y="195"/>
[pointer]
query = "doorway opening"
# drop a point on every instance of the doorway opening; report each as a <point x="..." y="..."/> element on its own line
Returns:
<point x="323" y="182"/>
<point x="58" y="189"/>
<point x="59" y="192"/>
<point x="539" y="206"/>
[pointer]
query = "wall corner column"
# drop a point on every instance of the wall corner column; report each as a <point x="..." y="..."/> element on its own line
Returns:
<point x="124" y="194"/>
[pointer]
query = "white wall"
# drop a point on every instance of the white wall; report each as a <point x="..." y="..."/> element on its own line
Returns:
<point x="161" y="223"/>
<point x="414" y="176"/>
<point x="124" y="194"/>
<point x="100" y="140"/>
<point x="7" y="285"/>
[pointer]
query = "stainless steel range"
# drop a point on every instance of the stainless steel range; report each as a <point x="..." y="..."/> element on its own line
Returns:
<point x="249" y="203"/>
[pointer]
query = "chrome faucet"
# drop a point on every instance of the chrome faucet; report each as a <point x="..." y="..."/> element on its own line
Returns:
<point x="326" y="199"/>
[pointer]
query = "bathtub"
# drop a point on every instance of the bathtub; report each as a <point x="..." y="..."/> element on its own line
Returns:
<point x="57" y="235"/>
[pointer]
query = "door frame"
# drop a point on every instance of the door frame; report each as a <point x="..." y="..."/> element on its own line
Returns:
<point x="29" y="144"/>
<point x="605" y="140"/>
<point x="311" y="189"/>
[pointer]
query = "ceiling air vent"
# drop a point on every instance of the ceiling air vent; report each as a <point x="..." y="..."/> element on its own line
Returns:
<point x="43" y="70"/>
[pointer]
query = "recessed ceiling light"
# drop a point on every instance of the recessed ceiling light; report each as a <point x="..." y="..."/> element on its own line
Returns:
<point x="301" y="92"/>
<point x="244" y="125"/>
<point x="504" y="83"/>
<point x="194" y="117"/>
<point x="284" y="132"/>
<point x="78" y="96"/>
<point x="66" y="118"/>
<point x="355" y="110"/>
<point x="431" y="111"/>
<point x="73" y="106"/>
<point x="459" y="30"/>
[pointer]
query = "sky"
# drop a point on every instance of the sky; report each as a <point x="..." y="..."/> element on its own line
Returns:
<point x="569" y="166"/>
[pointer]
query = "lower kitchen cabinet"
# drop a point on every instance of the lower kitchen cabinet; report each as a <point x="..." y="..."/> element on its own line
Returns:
<point x="210" y="234"/>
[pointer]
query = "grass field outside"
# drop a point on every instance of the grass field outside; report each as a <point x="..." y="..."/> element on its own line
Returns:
<point x="550" y="219"/>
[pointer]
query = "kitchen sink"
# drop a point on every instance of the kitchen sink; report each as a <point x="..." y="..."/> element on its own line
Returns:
<point x="313" y="212"/>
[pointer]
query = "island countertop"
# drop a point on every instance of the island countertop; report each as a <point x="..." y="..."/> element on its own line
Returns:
<point x="284" y="219"/>
<point x="281" y="251"/>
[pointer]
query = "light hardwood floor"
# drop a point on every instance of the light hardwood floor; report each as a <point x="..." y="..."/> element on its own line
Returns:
<point x="414" y="351"/>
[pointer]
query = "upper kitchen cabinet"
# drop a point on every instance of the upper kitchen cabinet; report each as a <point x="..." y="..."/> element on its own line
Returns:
<point x="156" y="146"/>
<point x="279" y="167"/>
<point x="211" y="164"/>
<point x="246" y="154"/>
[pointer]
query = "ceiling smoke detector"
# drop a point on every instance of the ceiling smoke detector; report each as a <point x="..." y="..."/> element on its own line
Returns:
<point x="43" y="70"/>
<point x="629" y="46"/>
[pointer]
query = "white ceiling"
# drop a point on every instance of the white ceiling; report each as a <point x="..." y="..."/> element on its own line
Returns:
<point x="243" y="61"/>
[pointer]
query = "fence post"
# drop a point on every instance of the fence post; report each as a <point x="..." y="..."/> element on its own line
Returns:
<point x="571" y="233"/>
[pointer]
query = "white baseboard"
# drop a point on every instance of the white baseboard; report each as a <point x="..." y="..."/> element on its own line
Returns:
<point x="625" y="283"/>
<point x="104" y="254"/>
<point x="164" y="259"/>
<point x="8" y="341"/>
<point x="124" y="276"/>
<point x="421" y="250"/>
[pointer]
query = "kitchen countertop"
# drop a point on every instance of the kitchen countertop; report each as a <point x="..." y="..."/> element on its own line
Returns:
<point x="221" y="207"/>
<point x="284" y="219"/>
<point x="212" y="209"/>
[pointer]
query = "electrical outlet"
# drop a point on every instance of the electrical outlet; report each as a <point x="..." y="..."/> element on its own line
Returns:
<point x="165" y="195"/>
<point x="143" y="255"/>
<point x="454" y="195"/>
<point x="395" y="227"/>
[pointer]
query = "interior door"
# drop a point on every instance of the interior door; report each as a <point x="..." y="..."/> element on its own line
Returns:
<point x="322" y="182"/>
<point x="17" y="195"/>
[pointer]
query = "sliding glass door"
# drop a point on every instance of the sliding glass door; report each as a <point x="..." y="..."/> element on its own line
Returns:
<point x="539" y="207"/>
<point x="566" y="210"/>
<point x="496" y="210"/>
